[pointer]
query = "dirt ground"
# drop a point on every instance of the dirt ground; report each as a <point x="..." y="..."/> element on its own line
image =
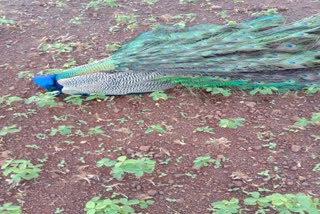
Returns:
<point x="268" y="143"/>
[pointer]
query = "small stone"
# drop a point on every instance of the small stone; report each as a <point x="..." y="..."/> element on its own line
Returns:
<point x="294" y="168"/>
<point x="305" y="184"/>
<point x="294" y="118"/>
<point x="290" y="183"/>
<point x="145" y="148"/>
<point x="171" y="181"/>
<point x="152" y="192"/>
<point x="138" y="187"/>
<point x="250" y="104"/>
<point x="257" y="148"/>
<point x="180" y="201"/>
<point x="130" y="151"/>
<point x="11" y="88"/>
<point x="237" y="183"/>
<point x="295" y="148"/>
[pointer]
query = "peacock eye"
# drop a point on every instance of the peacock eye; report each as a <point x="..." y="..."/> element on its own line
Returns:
<point x="289" y="45"/>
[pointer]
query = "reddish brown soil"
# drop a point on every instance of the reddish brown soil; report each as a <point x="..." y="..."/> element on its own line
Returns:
<point x="70" y="187"/>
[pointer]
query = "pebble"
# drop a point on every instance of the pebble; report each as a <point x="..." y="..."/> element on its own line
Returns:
<point x="171" y="181"/>
<point x="237" y="183"/>
<point x="305" y="184"/>
<point x="296" y="148"/>
<point x="257" y="148"/>
<point x="294" y="168"/>
<point x="290" y="183"/>
<point x="152" y="192"/>
<point x="144" y="148"/>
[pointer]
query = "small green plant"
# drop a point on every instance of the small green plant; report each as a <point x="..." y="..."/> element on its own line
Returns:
<point x="25" y="75"/>
<point x="127" y="21"/>
<point x="159" y="95"/>
<point x="188" y="1"/>
<point x="74" y="99"/>
<point x="223" y="14"/>
<point x="63" y="130"/>
<point x="267" y="12"/>
<point x="203" y="161"/>
<point x="96" y="96"/>
<point x="114" y="206"/>
<point x="42" y="100"/>
<point x="96" y="130"/>
<point x="20" y="170"/>
<point x="150" y="1"/>
<point x="75" y="20"/>
<point x="60" y="4"/>
<point x="304" y="122"/>
<point x="4" y="21"/>
<point x="225" y="206"/>
<point x="263" y="90"/>
<point x="217" y="90"/>
<point x="155" y="128"/>
<point x="205" y="129"/>
<point x="133" y="166"/>
<point x="232" y="123"/>
<point x="270" y="145"/>
<point x="8" y="99"/>
<point x="287" y="203"/>
<point x="57" y="47"/>
<point x="98" y="4"/>
<point x="9" y="208"/>
<point x="312" y="89"/>
<point x="61" y="164"/>
<point x="113" y="47"/>
<point x="9" y="130"/>
<point x="316" y="168"/>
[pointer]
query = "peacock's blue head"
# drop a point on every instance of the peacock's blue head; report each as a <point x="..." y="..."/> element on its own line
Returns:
<point x="48" y="82"/>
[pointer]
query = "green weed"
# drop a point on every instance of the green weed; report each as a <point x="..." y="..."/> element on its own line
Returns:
<point x="4" y="21"/>
<point x="232" y="123"/>
<point x="264" y="90"/>
<point x="155" y="128"/>
<point x="203" y="161"/>
<point x="9" y="208"/>
<point x="20" y="170"/>
<point x="9" y="130"/>
<point x="25" y="75"/>
<point x="205" y="129"/>
<point x="43" y="100"/>
<point x="267" y="12"/>
<point x="159" y="95"/>
<point x="217" y="90"/>
<point x="225" y="206"/>
<point x="150" y="1"/>
<point x="98" y="4"/>
<point x="63" y="130"/>
<point x="123" y="165"/>
<point x="286" y="203"/>
<point x="114" y="206"/>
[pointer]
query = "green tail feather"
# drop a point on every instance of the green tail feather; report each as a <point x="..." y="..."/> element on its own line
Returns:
<point x="264" y="52"/>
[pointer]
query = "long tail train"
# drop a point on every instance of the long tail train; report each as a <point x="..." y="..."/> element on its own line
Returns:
<point x="263" y="52"/>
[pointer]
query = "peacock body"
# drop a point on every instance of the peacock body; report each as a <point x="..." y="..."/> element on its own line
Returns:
<point x="263" y="52"/>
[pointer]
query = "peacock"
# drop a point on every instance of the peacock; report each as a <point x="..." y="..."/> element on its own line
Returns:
<point x="262" y="52"/>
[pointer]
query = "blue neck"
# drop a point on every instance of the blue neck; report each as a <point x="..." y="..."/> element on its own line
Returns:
<point x="48" y="82"/>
